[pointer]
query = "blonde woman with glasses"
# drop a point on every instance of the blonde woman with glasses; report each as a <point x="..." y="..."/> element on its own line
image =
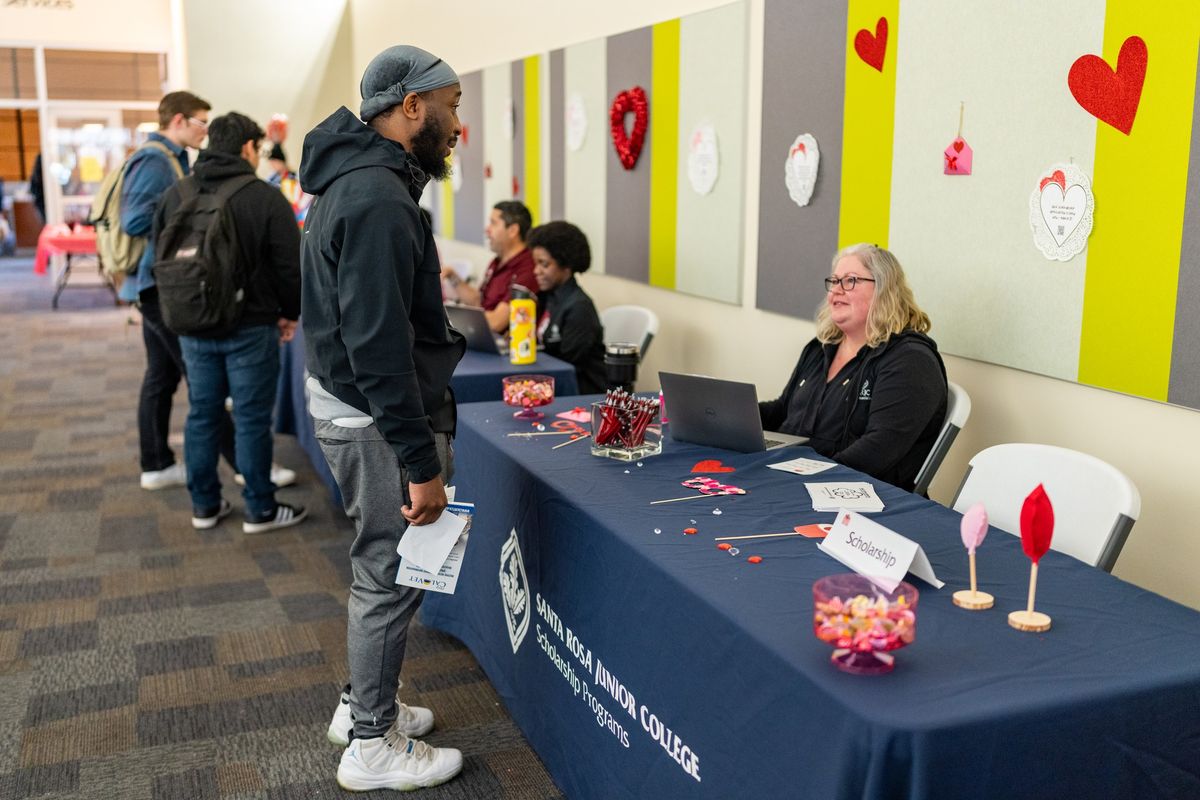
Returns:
<point x="870" y="390"/>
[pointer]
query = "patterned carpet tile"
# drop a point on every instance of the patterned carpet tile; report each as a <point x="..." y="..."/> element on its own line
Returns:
<point x="141" y="659"/>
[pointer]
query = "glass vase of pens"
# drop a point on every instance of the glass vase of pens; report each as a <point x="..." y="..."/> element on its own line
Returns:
<point x="625" y="427"/>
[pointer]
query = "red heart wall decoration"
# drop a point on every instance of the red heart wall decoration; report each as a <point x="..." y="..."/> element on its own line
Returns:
<point x="872" y="49"/>
<point x="1109" y="95"/>
<point x="629" y="147"/>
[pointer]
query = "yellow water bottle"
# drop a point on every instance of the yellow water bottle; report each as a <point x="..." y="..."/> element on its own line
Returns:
<point x="522" y="330"/>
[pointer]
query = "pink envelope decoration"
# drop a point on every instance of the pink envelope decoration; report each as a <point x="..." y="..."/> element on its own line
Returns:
<point x="957" y="158"/>
<point x="577" y="414"/>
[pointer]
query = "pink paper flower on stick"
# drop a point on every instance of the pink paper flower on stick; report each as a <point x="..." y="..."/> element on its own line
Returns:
<point x="974" y="527"/>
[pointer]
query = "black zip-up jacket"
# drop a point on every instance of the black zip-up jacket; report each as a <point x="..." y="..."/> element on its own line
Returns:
<point x="880" y="414"/>
<point x="268" y="239"/>
<point x="575" y="334"/>
<point x="375" y="329"/>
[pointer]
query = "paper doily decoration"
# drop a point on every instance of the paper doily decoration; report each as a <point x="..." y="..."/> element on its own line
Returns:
<point x="704" y="159"/>
<point x="576" y="121"/>
<point x="1061" y="208"/>
<point x="800" y="169"/>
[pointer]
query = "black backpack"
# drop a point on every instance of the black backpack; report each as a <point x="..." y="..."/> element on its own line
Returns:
<point x="200" y="288"/>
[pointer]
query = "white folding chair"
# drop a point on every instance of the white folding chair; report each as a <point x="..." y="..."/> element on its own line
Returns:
<point x="632" y="324"/>
<point x="958" y="408"/>
<point x="1095" y="505"/>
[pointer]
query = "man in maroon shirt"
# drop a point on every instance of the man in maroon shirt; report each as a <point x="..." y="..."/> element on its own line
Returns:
<point x="507" y="227"/>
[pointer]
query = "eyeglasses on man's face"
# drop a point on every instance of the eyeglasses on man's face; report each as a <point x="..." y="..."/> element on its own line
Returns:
<point x="199" y="123"/>
<point x="846" y="283"/>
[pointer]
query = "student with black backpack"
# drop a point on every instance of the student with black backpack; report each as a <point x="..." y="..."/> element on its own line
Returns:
<point x="227" y="267"/>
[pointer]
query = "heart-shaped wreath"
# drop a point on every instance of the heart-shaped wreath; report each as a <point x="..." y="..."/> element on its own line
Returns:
<point x="629" y="147"/>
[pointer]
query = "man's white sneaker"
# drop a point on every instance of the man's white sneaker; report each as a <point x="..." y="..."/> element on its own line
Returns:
<point x="284" y="517"/>
<point x="207" y="518"/>
<point x="280" y="476"/>
<point x="394" y="761"/>
<point x="174" y="475"/>
<point x="412" y="721"/>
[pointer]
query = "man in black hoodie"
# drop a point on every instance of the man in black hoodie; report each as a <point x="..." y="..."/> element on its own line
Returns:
<point x="380" y="354"/>
<point x="243" y="365"/>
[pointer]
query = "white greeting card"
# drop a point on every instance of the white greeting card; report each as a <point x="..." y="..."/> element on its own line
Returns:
<point x="444" y="578"/>
<point x="803" y="466"/>
<point x="1061" y="209"/>
<point x="800" y="169"/>
<point x="704" y="159"/>
<point x="852" y="495"/>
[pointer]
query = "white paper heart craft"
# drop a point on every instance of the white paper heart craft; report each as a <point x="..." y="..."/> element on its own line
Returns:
<point x="800" y="168"/>
<point x="1061" y="211"/>
<point x="704" y="159"/>
<point x="576" y="121"/>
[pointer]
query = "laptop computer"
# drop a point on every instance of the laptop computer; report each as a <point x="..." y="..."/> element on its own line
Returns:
<point x="718" y="413"/>
<point x="471" y="323"/>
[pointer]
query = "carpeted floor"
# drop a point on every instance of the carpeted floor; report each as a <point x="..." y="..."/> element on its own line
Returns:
<point x="140" y="658"/>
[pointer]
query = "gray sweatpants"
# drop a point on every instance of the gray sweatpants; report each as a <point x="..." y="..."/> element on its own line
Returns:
<point x="374" y="486"/>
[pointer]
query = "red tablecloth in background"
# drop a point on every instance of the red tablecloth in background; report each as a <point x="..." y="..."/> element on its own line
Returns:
<point x="60" y="240"/>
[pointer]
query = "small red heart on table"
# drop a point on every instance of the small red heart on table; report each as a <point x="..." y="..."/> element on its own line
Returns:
<point x="711" y="465"/>
<point x="1110" y="95"/>
<point x="629" y="146"/>
<point x="872" y="49"/>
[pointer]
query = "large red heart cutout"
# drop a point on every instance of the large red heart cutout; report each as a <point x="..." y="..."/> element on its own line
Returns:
<point x="872" y="49"/>
<point x="629" y="146"/>
<point x="711" y="465"/>
<point x="1109" y="95"/>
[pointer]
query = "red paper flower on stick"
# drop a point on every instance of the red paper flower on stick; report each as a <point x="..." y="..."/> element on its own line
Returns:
<point x="1037" y="524"/>
<point x="629" y="147"/>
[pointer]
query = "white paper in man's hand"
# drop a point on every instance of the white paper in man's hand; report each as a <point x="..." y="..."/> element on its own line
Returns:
<point x="428" y="545"/>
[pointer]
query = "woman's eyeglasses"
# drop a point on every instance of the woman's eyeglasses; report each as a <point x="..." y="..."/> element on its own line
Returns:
<point x="847" y="283"/>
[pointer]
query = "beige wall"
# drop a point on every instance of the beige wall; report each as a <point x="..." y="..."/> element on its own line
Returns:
<point x="263" y="57"/>
<point x="91" y="24"/>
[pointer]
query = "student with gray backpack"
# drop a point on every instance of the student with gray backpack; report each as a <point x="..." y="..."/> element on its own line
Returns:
<point x="227" y="269"/>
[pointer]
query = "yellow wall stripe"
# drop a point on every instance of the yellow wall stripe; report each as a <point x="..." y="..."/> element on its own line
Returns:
<point x="664" y="152"/>
<point x="533" y="137"/>
<point x="446" y="198"/>
<point x="868" y="119"/>
<point x="1133" y="254"/>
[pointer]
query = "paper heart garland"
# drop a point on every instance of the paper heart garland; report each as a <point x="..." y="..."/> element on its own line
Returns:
<point x="1110" y="95"/>
<point x="873" y="49"/>
<point x="711" y="465"/>
<point x="629" y="146"/>
<point x="1037" y="524"/>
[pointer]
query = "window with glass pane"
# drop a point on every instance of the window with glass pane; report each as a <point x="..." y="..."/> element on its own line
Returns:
<point x="18" y="79"/>
<point x="96" y="75"/>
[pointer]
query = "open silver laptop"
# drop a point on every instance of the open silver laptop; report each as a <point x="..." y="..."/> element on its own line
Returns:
<point x="718" y="413"/>
<point x="471" y="323"/>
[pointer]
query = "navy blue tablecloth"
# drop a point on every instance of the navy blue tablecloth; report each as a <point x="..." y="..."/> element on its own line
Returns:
<point x="616" y="640"/>
<point x="477" y="378"/>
